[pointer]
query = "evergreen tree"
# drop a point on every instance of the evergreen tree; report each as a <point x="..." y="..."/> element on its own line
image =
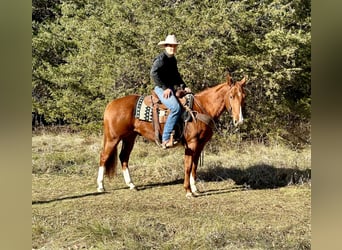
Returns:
<point x="86" y="53"/>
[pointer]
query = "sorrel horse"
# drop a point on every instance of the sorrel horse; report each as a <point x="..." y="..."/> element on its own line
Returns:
<point x="121" y="125"/>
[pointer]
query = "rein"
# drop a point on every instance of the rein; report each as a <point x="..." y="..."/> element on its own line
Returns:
<point x="207" y="120"/>
<point x="204" y="117"/>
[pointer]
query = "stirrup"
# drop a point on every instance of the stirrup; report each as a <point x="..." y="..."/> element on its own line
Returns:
<point x="171" y="142"/>
<point x="168" y="144"/>
<point x="158" y="143"/>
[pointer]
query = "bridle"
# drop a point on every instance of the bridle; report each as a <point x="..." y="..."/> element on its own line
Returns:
<point x="230" y="106"/>
<point x="205" y="117"/>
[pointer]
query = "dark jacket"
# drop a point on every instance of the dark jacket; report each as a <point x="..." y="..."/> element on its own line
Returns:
<point x="164" y="72"/>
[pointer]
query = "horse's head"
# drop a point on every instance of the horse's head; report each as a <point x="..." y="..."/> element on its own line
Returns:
<point x="235" y="99"/>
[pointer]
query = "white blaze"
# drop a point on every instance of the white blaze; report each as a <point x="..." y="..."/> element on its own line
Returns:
<point x="241" y="117"/>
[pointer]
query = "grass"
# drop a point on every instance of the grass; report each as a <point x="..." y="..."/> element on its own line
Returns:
<point x="253" y="197"/>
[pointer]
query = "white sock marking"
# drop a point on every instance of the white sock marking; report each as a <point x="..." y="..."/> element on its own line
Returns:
<point x="127" y="178"/>
<point x="193" y="184"/>
<point x="100" y="177"/>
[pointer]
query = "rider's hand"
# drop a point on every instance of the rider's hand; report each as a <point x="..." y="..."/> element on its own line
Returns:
<point x="187" y="89"/>
<point x="167" y="93"/>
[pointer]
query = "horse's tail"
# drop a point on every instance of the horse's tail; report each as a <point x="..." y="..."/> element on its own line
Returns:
<point x="111" y="163"/>
<point x="109" y="157"/>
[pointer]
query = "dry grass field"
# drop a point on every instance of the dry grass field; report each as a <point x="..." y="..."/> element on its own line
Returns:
<point x="253" y="197"/>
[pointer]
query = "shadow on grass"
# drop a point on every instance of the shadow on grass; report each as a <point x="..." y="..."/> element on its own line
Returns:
<point x="68" y="198"/>
<point x="261" y="176"/>
<point x="202" y="193"/>
<point x="159" y="184"/>
<point x="221" y="191"/>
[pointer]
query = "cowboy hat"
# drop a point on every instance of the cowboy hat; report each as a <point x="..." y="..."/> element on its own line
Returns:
<point x="170" y="39"/>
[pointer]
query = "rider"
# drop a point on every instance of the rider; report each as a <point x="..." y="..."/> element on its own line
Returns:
<point x="165" y="75"/>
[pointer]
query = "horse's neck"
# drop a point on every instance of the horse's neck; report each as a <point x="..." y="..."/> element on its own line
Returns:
<point x="211" y="101"/>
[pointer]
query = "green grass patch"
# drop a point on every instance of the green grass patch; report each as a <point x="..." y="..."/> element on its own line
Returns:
<point x="253" y="197"/>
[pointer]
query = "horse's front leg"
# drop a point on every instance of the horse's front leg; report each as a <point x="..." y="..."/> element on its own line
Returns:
<point x="193" y="186"/>
<point x="193" y="174"/>
<point x="127" y="146"/>
<point x="188" y="162"/>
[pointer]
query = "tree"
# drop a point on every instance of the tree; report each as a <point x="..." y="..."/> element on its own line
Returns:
<point x="89" y="52"/>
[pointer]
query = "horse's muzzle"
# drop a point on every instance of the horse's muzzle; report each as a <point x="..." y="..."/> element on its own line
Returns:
<point x="237" y="122"/>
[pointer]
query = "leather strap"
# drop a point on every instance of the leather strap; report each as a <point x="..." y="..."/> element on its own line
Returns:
<point x="155" y="122"/>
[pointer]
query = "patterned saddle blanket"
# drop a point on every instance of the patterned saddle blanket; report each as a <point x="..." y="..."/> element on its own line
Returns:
<point x="144" y="111"/>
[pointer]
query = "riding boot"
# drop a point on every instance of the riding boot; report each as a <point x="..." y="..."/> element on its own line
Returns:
<point x="171" y="142"/>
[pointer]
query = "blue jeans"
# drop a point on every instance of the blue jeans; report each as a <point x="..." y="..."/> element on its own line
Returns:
<point x="175" y="112"/>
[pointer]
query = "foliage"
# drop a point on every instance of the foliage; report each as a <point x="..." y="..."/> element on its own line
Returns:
<point x="86" y="53"/>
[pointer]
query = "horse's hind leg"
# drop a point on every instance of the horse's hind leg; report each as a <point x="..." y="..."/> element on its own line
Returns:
<point x="100" y="177"/>
<point x="192" y="154"/>
<point x="127" y="146"/>
<point x="108" y="160"/>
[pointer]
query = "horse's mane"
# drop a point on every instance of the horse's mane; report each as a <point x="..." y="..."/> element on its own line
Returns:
<point x="211" y="89"/>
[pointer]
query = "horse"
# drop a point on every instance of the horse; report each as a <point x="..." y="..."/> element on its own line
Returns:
<point x="120" y="124"/>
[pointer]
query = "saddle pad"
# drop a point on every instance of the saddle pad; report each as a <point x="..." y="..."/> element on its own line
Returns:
<point x="142" y="111"/>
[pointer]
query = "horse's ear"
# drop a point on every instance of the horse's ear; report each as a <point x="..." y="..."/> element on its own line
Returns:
<point x="243" y="81"/>
<point x="229" y="80"/>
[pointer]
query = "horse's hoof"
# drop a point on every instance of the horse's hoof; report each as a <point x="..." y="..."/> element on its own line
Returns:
<point x="189" y="195"/>
<point x="196" y="193"/>
<point x="100" y="190"/>
<point x="133" y="188"/>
